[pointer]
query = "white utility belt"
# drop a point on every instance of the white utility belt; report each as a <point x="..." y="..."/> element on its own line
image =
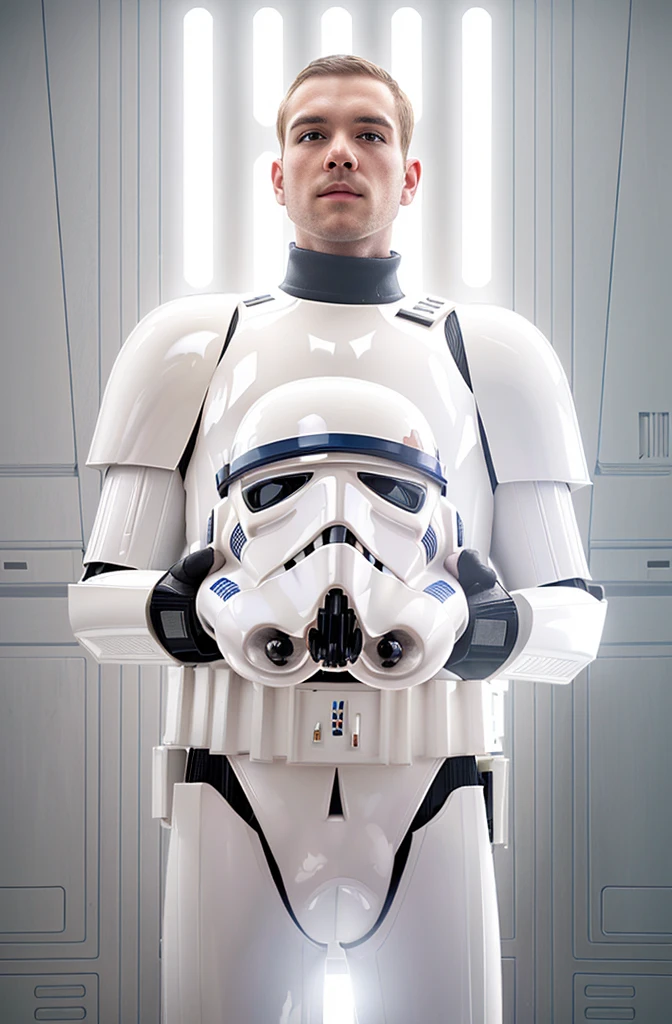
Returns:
<point x="331" y="723"/>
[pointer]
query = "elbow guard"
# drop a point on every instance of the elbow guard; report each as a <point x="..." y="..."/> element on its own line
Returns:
<point x="560" y="628"/>
<point x="139" y="616"/>
<point x="108" y="615"/>
<point x="542" y="634"/>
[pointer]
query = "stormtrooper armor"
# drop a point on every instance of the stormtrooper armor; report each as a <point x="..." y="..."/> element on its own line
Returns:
<point x="329" y="531"/>
<point x="343" y="520"/>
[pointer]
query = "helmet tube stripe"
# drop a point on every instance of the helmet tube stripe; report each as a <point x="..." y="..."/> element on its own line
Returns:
<point x="314" y="444"/>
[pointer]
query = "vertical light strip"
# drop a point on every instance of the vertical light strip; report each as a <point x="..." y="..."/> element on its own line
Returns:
<point x="406" y="55"/>
<point x="336" y="31"/>
<point x="476" y="147"/>
<point x="198" y="148"/>
<point x="268" y="224"/>
<point x="407" y="240"/>
<point x="267" y="66"/>
<point x="339" y="1007"/>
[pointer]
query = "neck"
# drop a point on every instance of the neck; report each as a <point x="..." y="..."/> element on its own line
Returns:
<point x="374" y="247"/>
<point x="334" y="277"/>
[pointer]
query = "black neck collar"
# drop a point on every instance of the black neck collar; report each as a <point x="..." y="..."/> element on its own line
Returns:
<point x="352" y="280"/>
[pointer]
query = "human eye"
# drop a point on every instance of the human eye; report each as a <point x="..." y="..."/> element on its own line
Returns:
<point x="372" y="137"/>
<point x="305" y="136"/>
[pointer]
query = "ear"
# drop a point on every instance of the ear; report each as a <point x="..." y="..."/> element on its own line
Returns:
<point x="411" y="181"/>
<point x="278" y="181"/>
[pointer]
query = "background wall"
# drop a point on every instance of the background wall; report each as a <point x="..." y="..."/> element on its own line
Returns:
<point x="90" y="236"/>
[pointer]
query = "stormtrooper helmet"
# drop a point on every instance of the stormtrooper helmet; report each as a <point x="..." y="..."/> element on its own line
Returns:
<point x="334" y="527"/>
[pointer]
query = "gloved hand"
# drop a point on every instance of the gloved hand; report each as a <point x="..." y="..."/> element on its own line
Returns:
<point x="492" y="630"/>
<point x="172" y="610"/>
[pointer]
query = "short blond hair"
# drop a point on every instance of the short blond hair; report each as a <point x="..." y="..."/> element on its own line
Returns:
<point x="347" y="64"/>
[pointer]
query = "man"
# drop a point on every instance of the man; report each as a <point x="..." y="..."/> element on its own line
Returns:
<point x="344" y="170"/>
<point x="332" y="815"/>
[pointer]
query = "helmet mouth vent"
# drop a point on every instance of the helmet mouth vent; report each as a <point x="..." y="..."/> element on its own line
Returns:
<point x="336" y="640"/>
<point x="337" y="535"/>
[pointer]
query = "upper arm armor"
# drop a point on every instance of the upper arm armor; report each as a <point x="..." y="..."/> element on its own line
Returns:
<point x="158" y="382"/>
<point x="535" y="536"/>
<point x="523" y="398"/>
<point x="140" y="519"/>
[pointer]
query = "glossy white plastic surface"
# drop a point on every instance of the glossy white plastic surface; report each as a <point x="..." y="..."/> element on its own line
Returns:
<point x="333" y="494"/>
<point x="436" y="957"/>
<point x="559" y="632"/>
<point x="140" y="519"/>
<point x="225" y="927"/>
<point x="523" y="398"/>
<point x="168" y="767"/>
<point x="108" y="615"/>
<point x="289" y="603"/>
<point x="535" y="536"/>
<point x="280" y="341"/>
<point x="230" y="951"/>
<point x="336" y="870"/>
<point x="304" y="407"/>
<point x="157" y="384"/>
<point x="214" y="708"/>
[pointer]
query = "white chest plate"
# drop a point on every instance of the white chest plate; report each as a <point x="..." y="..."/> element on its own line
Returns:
<point x="288" y="339"/>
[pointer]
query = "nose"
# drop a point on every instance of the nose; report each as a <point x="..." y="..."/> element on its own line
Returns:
<point x="340" y="154"/>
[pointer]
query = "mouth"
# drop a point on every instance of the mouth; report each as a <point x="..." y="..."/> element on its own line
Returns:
<point x="340" y="193"/>
<point x="337" y="535"/>
<point x="341" y="197"/>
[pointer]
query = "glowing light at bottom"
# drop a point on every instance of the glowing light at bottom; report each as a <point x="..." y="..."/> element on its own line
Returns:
<point x="339" y="1003"/>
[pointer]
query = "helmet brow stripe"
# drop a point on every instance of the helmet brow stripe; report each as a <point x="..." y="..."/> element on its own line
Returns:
<point x="314" y="444"/>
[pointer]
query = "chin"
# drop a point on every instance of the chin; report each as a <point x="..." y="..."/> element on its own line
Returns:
<point x="343" y="233"/>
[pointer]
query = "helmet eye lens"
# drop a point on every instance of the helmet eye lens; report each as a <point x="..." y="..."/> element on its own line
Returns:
<point x="402" y="493"/>
<point x="270" y="492"/>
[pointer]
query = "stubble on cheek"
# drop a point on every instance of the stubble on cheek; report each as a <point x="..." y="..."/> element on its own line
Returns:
<point x="329" y="223"/>
<point x="335" y="223"/>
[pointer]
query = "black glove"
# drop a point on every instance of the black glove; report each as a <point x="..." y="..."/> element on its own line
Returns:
<point x="172" y="610"/>
<point x="492" y="629"/>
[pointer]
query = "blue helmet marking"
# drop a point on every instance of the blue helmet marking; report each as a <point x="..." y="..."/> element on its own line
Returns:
<point x="430" y="542"/>
<point x="237" y="540"/>
<point x="225" y="588"/>
<point x="314" y="444"/>
<point x="440" y="590"/>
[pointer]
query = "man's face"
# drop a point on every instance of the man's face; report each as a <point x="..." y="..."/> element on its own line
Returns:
<point x="343" y="131"/>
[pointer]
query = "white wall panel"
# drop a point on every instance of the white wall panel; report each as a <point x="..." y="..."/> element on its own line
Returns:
<point x="81" y="857"/>
<point x="638" y="354"/>
<point x="36" y="424"/>
<point x="73" y="86"/>
<point x="46" y="906"/>
<point x="600" y="49"/>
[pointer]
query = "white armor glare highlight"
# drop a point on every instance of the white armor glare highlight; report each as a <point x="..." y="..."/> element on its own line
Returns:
<point x="331" y="524"/>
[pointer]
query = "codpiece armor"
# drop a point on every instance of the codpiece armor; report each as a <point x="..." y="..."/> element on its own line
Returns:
<point x="343" y="519"/>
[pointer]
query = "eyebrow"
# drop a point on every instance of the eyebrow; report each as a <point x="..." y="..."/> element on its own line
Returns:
<point x="382" y="122"/>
